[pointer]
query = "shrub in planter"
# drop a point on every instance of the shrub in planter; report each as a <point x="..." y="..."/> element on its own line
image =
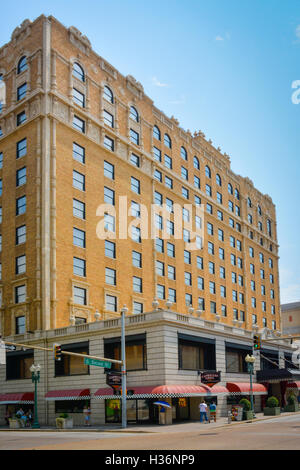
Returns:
<point x="292" y="404"/>
<point x="64" y="422"/>
<point x="272" y="408"/>
<point x="247" y="413"/>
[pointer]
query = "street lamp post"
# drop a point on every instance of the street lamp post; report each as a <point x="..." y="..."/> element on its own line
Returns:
<point x="250" y="364"/>
<point x="35" y="376"/>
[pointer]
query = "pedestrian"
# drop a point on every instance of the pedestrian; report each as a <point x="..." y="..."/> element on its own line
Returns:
<point x="7" y="416"/>
<point x="87" y="415"/>
<point x="213" y="411"/>
<point x="203" y="412"/>
<point x="29" y="418"/>
<point x="116" y="413"/>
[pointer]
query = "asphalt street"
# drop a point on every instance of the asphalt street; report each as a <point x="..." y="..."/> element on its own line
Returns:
<point x="281" y="433"/>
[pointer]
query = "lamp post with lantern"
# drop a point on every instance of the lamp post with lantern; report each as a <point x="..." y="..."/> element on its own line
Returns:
<point x="35" y="376"/>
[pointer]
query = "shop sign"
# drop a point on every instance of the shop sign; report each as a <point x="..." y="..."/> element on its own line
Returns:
<point x="210" y="378"/>
<point x="182" y="402"/>
<point x="114" y="379"/>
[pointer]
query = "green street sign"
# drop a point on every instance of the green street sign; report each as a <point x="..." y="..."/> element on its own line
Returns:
<point x="96" y="362"/>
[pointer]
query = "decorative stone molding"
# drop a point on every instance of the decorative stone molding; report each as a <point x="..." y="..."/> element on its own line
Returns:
<point x="80" y="41"/>
<point x="134" y="86"/>
<point x="21" y="32"/>
<point x="60" y="110"/>
<point x="109" y="69"/>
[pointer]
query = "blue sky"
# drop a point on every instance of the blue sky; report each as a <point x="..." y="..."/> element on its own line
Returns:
<point x="226" y="68"/>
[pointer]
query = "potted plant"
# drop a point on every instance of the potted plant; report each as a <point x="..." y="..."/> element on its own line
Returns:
<point x="272" y="408"/>
<point x="14" y="422"/>
<point x="64" y="422"/>
<point x="292" y="404"/>
<point x="247" y="412"/>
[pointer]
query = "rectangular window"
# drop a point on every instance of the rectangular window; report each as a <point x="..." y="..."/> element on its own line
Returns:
<point x="78" y="98"/>
<point x="137" y="284"/>
<point x="109" y="196"/>
<point x="21" y="148"/>
<point x="138" y="308"/>
<point x="160" y="268"/>
<point x="78" y="181"/>
<point x="136" y="234"/>
<point x="109" y="170"/>
<point x="18" y="363"/>
<point x="78" y="153"/>
<point x="21" y="91"/>
<point x="20" y="294"/>
<point x="136" y="351"/>
<point x="158" y="176"/>
<point x="21" y="205"/>
<point x="135" y="185"/>
<point x="136" y="259"/>
<point x="168" y="182"/>
<point x="200" y="283"/>
<point x="188" y="279"/>
<point x="108" y="118"/>
<point x="160" y="291"/>
<point x="108" y="143"/>
<point x="79" y="124"/>
<point x="79" y="267"/>
<point x="135" y="160"/>
<point x="134" y="137"/>
<point x="171" y="250"/>
<point x="110" y="276"/>
<point x="21" y="118"/>
<point x="79" y="209"/>
<point x="171" y="272"/>
<point x="157" y="154"/>
<point x="68" y="366"/>
<point x="185" y="192"/>
<point x="21" y="235"/>
<point x="79" y="295"/>
<point x="78" y="237"/>
<point x="196" y="182"/>
<point x="110" y="249"/>
<point x="172" y="295"/>
<point x="21" y="264"/>
<point x="168" y="162"/>
<point x="20" y="325"/>
<point x="184" y="173"/>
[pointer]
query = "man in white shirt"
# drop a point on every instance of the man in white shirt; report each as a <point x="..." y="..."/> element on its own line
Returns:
<point x="203" y="412"/>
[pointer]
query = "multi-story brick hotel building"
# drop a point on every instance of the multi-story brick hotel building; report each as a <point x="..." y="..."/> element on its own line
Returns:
<point x="76" y="134"/>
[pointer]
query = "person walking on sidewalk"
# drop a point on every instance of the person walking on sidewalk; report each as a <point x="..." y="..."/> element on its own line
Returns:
<point x="203" y="412"/>
<point x="87" y="415"/>
<point x="213" y="411"/>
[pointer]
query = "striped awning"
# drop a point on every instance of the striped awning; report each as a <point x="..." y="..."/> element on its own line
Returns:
<point x="26" y="398"/>
<point x="293" y="385"/>
<point x="243" y="388"/>
<point x="71" y="394"/>
<point x="164" y="391"/>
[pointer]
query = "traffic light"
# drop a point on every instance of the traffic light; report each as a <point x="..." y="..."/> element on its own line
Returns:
<point x="256" y="342"/>
<point x="57" y="352"/>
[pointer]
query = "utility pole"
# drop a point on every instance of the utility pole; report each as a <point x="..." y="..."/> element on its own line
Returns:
<point x="123" y="358"/>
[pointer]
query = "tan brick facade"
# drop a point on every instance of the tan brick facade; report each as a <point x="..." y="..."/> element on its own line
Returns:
<point x="51" y="51"/>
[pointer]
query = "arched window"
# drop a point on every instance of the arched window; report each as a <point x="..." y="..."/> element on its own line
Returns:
<point x="156" y="133"/>
<point x="22" y="65"/>
<point x="168" y="142"/>
<point x="78" y="72"/>
<point x="249" y="202"/>
<point x="196" y="163"/>
<point x="134" y="115"/>
<point x="230" y="189"/>
<point x="218" y="180"/>
<point x="183" y="153"/>
<point x="108" y="94"/>
<point x="237" y="194"/>
<point x="207" y="171"/>
<point x="259" y="210"/>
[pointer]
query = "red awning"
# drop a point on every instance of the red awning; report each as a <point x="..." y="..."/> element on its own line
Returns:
<point x="188" y="390"/>
<point x="293" y="385"/>
<point x="73" y="394"/>
<point x="105" y="393"/>
<point x="10" y="398"/>
<point x="243" y="388"/>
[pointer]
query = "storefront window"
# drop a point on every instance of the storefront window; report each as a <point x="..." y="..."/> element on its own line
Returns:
<point x="18" y="365"/>
<point x="235" y="361"/>
<point x="70" y="406"/>
<point x="136" y="352"/>
<point x="196" y="354"/>
<point x="72" y="365"/>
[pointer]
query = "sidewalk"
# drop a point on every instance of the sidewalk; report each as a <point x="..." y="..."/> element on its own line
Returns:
<point x="187" y="426"/>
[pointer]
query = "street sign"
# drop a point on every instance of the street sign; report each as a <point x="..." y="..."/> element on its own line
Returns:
<point x="96" y="362"/>
<point x="114" y="379"/>
<point x="8" y="347"/>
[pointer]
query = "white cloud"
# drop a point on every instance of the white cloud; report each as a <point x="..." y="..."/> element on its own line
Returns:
<point x="219" y="38"/>
<point x="289" y="286"/>
<point x="156" y="82"/>
<point x="297" y="32"/>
